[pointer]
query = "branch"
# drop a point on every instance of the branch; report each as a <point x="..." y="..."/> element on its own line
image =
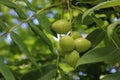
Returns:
<point x="38" y="12"/>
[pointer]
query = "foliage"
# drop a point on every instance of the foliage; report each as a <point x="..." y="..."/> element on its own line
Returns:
<point x="28" y="45"/>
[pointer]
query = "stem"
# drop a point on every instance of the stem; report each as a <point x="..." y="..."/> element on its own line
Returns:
<point x="3" y="34"/>
<point x="69" y="9"/>
<point x="57" y="61"/>
<point x="11" y="29"/>
<point x="57" y="64"/>
<point x="38" y="12"/>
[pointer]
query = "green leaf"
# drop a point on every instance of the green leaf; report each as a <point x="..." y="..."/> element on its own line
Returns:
<point x="96" y="37"/>
<point x="3" y="27"/>
<point x="108" y="42"/>
<point x="36" y="75"/>
<point x="23" y="47"/>
<point x="115" y="39"/>
<point x="8" y="3"/>
<point x="44" y="22"/>
<point x="115" y="76"/>
<point x="117" y="8"/>
<point x="98" y="21"/>
<point x="111" y="27"/>
<point x="41" y="34"/>
<point x="105" y="4"/>
<point x="49" y="75"/>
<point x="63" y="75"/>
<point x="112" y="34"/>
<point x="5" y="71"/>
<point x="12" y="5"/>
<point x="20" y="13"/>
<point x="87" y="21"/>
<point x="31" y="75"/>
<point x="30" y="6"/>
<point x="104" y="54"/>
<point x="49" y="71"/>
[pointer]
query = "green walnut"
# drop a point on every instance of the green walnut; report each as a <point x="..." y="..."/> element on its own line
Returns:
<point x="75" y="34"/>
<point x="66" y="43"/>
<point x="72" y="58"/>
<point x="82" y="44"/>
<point x="61" y="26"/>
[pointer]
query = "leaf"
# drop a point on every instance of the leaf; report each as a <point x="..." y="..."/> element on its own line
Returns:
<point x="30" y="6"/>
<point x="44" y="22"/>
<point x="104" y="54"/>
<point x="36" y="75"/>
<point x="23" y="47"/>
<point x="105" y="4"/>
<point x="12" y="5"/>
<point x="115" y="39"/>
<point x="111" y="27"/>
<point x="63" y="75"/>
<point x="108" y="42"/>
<point x="3" y="27"/>
<point x="41" y="34"/>
<point x="117" y="8"/>
<point x="115" y="76"/>
<point x="98" y="21"/>
<point x="31" y="75"/>
<point x="87" y="21"/>
<point x="20" y="13"/>
<point x="96" y="37"/>
<point x="49" y="75"/>
<point x="49" y="71"/>
<point x="112" y="34"/>
<point x="5" y="71"/>
<point x="8" y="3"/>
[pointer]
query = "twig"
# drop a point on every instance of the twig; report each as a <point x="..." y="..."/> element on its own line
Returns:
<point x="38" y="12"/>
